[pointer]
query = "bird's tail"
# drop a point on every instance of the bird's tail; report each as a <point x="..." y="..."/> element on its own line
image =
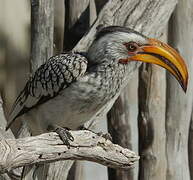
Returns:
<point x="16" y="109"/>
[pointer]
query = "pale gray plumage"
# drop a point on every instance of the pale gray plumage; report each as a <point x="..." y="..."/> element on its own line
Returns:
<point x="72" y="88"/>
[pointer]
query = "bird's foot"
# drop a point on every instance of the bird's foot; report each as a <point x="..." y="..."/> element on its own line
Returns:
<point x="64" y="134"/>
<point x="107" y="136"/>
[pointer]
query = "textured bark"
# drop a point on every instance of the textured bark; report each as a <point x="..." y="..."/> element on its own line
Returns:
<point x="76" y="22"/>
<point x="59" y="20"/>
<point x="190" y="147"/>
<point x="151" y="123"/>
<point x="4" y="135"/>
<point x="79" y="14"/>
<point x="179" y="104"/>
<point x="147" y="18"/>
<point x="79" y="17"/>
<point x="120" y="129"/>
<point x="42" y="28"/>
<point x="49" y="147"/>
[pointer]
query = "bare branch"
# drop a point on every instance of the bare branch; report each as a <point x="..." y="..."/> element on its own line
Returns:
<point x="148" y="18"/>
<point x="48" y="147"/>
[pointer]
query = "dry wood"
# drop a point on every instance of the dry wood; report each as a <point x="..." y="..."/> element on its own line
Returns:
<point x="146" y="16"/>
<point x="42" y="28"/>
<point x="76" y="22"/>
<point x="48" y="147"/>
<point x="151" y="123"/>
<point x="76" y="28"/>
<point x="190" y="147"/>
<point x="4" y="135"/>
<point x="179" y="104"/>
<point x="119" y="127"/>
<point x="59" y="20"/>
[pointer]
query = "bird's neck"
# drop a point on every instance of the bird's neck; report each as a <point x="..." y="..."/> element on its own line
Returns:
<point x="110" y="77"/>
<point x="113" y="76"/>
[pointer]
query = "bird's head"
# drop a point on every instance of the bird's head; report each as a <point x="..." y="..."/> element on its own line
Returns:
<point x="123" y="45"/>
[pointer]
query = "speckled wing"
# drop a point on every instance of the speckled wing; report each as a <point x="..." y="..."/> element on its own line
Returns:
<point x="56" y="74"/>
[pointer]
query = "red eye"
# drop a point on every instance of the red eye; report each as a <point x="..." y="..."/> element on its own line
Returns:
<point x="131" y="46"/>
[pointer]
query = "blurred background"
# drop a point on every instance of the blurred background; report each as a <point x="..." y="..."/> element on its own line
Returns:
<point x="153" y="117"/>
<point x="14" y="47"/>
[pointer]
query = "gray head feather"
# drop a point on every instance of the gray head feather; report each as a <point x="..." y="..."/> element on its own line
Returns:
<point x="109" y="44"/>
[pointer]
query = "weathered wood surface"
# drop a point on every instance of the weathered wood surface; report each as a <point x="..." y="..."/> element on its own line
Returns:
<point x="42" y="33"/>
<point x="48" y="147"/>
<point x="122" y="125"/>
<point x="190" y="147"/>
<point x="3" y="134"/>
<point x="143" y="19"/>
<point x="151" y="122"/>
<point x="179" y="104"/>
<point x="134" y="14"/>
<point x="81" y="17"/>
<point x="42" y="29"/>
<point x="59" y="21"/>
<point x="76" y="22"/>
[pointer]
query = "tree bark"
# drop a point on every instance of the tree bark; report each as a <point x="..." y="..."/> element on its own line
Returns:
<point x="120" y="127"/>
<point x="42" y="29"/>
<point x="76" y="22"/>
<point x="190" y="147"/>
<point x="179" y="104"/>
<point x="144" y="16"/>
<point x="4" y="135"/>
<point x="151" y="122"/>
<point x="79" y="17"/>
<point x="49" y="147"/>
<point x="59" y="20"/>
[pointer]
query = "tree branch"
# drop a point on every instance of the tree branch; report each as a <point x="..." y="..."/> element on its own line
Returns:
<point x="149" y="18"/>
<point x="48" y="147"/>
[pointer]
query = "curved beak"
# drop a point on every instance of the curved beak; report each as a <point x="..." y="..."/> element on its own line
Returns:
<point x="157" y="52"/>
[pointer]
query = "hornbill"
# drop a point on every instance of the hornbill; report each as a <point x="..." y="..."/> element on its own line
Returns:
<point x="74" y="87"/>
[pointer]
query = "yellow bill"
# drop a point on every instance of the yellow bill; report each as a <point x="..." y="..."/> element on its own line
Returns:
<point x="157" y="52"/>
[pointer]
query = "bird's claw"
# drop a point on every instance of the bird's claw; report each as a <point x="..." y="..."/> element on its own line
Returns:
<point x="64" y="135"/>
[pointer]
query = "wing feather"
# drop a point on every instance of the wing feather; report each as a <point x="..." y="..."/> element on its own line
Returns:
<point x="50" y="78"/>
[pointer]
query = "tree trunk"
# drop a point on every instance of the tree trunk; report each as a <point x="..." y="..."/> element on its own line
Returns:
<point x="76" y="22"/>
<point x="149" y="17"/>
<point x="151" y="123"/>
<point x="150" y="108"/>
<point x="179" y="104"/>
<point x="79" y="17"/>
<point x="120" y="126"/>
<point x="42" y="31"/>
<point x="190" y="147"/>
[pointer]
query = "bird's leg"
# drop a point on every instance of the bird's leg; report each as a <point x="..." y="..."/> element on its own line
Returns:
<point x="104" y="135"/>
<point x="63" y="133"/>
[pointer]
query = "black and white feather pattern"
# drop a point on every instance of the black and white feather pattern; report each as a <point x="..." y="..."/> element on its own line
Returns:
<point x="47" y="82"/>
